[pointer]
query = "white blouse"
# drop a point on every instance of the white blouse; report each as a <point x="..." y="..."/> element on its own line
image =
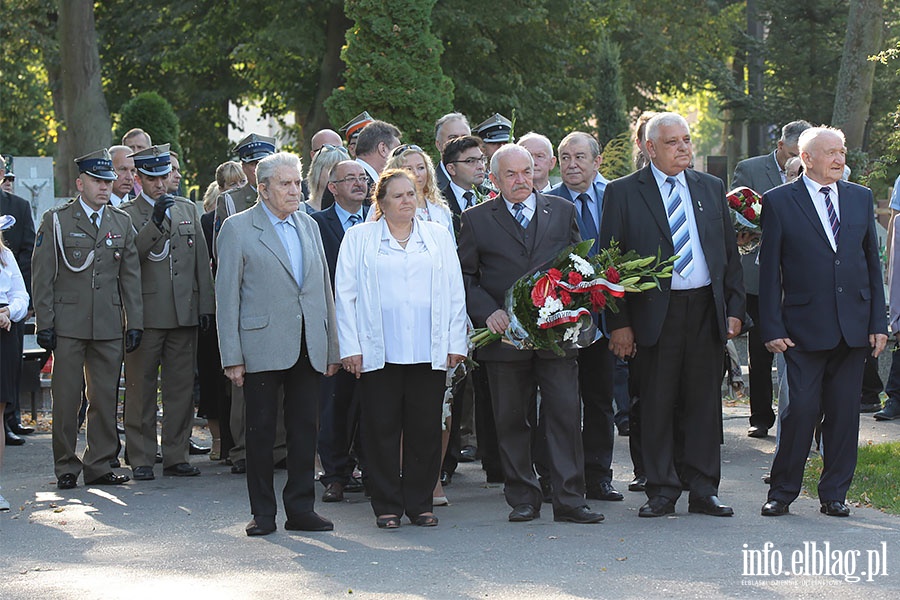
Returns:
<point x="404" y="287"/>
<point x="12" y="287"/>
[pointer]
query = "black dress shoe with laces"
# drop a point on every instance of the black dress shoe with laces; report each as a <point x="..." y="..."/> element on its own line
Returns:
<point x="835" y="508"/>
<point x="774" y="508"/>
<point x="709" y="505"/>
<point x="181" y="470"/>
<point x="13" y="440"/>
<point x="638" y="484"/>
<point x="353" y="486"/>
<point x="143" y="473"/>
<point x="67" y="481"/>
<point x="310" y="521"/>
<point x="524" y="512"/>
<point x="17" y="428"/>
<point x="334" y="492"/>
<point x="582" y="515"/>
<point x="604" y="491"/>
<point x="261" y="526"/>
<point x="657" y="506"/>
<point x="109" y="479"/>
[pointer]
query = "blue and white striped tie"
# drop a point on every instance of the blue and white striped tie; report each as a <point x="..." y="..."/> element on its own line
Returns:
<point x="681" y="233"/>
<point x="832" y="215"/>
<point x="519" y="209"/>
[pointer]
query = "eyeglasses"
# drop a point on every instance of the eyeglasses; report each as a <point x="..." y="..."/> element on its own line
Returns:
<point x="401" y="149"/>
<point x="351" y="179"/>
<point x="471" y="161"/>
<point x="331" y="148"/>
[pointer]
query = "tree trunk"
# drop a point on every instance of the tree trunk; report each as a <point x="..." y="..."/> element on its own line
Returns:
<point x="756" y="131"/>
<point x="86" y="119"/>
<point x="853" y="95"/>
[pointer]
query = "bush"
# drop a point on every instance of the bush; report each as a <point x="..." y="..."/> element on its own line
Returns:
<point x="152" y="113"/>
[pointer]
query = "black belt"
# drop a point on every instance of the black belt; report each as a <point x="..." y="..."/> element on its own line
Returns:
<point x="692" y="291"/>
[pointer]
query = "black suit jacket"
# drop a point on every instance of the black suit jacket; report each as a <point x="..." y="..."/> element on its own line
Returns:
<point x="493" y="256"/>
<point x="807" y="291"/>
<point x="634" y="215"/>
<point x="332" y="233"/>
<point x="20" y="237"/>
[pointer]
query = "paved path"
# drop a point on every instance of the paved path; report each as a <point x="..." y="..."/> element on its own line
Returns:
<point x="184" y="538"/>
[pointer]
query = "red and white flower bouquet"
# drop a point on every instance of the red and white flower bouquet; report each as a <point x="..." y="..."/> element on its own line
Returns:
<point x="745" y="206"/>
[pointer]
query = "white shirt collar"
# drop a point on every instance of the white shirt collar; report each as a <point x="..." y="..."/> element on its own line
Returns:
<point x="89" y="211"/>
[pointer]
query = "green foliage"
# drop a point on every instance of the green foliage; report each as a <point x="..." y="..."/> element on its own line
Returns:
<point x="875" y="483"/>
<point x="152" y="113"/>
<point x="618" y="157"/>
<point x="393" y="67"/>
<point x="611" y="115"/>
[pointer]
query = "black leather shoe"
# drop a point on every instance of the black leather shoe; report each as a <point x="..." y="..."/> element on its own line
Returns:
<point x="774" y="508"/>
<point x="624" y="429"/>
<point x="13" y="440"/>
<point x="870" y="408"/>
<point x="181" y="470"/>
<point x="114" y="464"/>
<point x="67" y="481"/>
<point x="310" y="521"/>
<point x="835" y="508"/>
<point x="757" y="432"/>
<point x="333" y="493"/>
<point x="604" y="491"/>
<point x="446" y="478"/>
<point x="143" y="474"/>
<point x="467" y="454"/>
<point x="524" y="512"/>
<point x="767" y="479"/>
<point x="195" y="449"/>
<point x="260" y="527"/>
<point x="657" y="506"/>
<point x="890" y="411"/>
<point x="109" y="479"/>
<point x="709" y="505"/>
<point x="17" y="428"/>
<point x="239" y="467"/>
<point x="582" y="514"/>
<point x="353" y="486"/>
<point x="638" y="484"/>
<point x="546" y="489"/>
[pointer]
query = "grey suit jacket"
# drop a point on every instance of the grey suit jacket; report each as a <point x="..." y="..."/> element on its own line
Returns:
<point x="261" y="312"/>
<point x="760" y="174"/>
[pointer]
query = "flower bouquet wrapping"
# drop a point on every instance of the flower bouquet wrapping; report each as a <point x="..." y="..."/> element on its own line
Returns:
<point x="745" y="205"/>
<point x="551" y="308"/>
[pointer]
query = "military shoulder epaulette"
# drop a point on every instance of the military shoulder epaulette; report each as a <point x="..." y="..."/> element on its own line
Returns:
<point x="126" y="203"/>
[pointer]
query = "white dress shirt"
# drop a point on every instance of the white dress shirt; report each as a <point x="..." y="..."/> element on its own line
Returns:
<point x="12" y="286"/>
<point x="529" y="206"/>
<point x="88" y="211"/>
<point x="818" y="199"/>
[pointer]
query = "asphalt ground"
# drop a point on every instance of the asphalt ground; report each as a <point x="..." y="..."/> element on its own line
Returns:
<point x="176" y="538"/>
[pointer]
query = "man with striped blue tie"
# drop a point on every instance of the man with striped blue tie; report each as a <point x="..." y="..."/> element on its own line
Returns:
<point x="677" y="333"/>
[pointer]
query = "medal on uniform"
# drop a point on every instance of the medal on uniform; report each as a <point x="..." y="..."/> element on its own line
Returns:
<point x="76" y="254"/>
<point x="190" y="242"/>
<point x="117" y="255"/>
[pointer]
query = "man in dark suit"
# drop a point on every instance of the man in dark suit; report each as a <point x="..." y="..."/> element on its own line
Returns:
<point x="677" y="332"/>
<point x="464" y="159"/>
<point x="20" y="240"/>
<point x="449" y="127"/>
<point x="374" y="145"/>
<point x="821" y="304"/>
<point x="340" y="415"/>
<point x="761" y="174"/>
<point x="500" y="241"/>
<point x="583" y="185"/>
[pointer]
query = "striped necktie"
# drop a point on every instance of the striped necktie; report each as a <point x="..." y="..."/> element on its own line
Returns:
<point x="519" y="210"/>
<point x="832" y="214"/>
<point x="354" y="219"/>
<point x="681" y="233"/>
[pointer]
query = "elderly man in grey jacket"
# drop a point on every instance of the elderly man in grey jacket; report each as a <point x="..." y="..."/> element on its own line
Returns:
<point x="277" y="328"/>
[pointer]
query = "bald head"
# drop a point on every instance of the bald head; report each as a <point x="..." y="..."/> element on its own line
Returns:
<point x="322" y="137"/>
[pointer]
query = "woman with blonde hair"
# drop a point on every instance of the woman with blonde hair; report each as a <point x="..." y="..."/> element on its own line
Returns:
<point x="320" y="197"/>
<point x="431" y="203"/>
<point x="13" y="307"/>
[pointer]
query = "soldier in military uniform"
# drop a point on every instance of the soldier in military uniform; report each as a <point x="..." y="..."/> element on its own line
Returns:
<point x="352" y="128"/>
<point x="86" y="281"/>
<point x="251" y="149"/>
<point x="495" y="131"/>
<point x="177" y="288"/>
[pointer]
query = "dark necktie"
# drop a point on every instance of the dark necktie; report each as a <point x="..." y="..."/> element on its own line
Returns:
<point x="470" y="199"/>
<point x="832" y="214"/>
<point x="587" y="217"/>
<point x="354" y="219"/>
<point x="519" y="213"/>
<point x="95" y="220"/>
<point x="681" y="232"/>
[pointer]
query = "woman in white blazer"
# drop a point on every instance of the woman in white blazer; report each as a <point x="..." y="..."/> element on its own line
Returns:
<point x="401" y="316"/>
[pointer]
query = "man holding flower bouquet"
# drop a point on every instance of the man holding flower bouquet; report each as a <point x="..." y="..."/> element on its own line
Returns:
<point x="677" y="333"/>
<point x="501" y="240"/>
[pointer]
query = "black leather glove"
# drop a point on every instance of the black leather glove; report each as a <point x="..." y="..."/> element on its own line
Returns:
<point x="163" y="203"/>
<point x="46" y="339"/>
<point x="133" y="339"/>
<point x="206" y="322"/>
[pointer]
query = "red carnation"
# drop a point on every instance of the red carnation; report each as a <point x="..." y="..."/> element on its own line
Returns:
<point x="598" y="300"/>
<point x="575" y="277"/>
<point x="749" y="213"/>
<point x="612" y="275"/>
<point x="565" y="297"/>
<point x="554" y="274"/>
<point x="733" y="202"/>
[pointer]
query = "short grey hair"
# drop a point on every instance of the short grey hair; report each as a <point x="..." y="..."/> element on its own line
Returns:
<point x="809" y="135"/>
<point x="585" y="137"/>
<point x="538" y="137"/>
<point x="454" y="116"/>
<point x="266" y="168"/>
<point x="116" y="149"/>
<point x="509" y="149"/>
<point x="790" y="133"/>
<point x="664" y="119"/>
